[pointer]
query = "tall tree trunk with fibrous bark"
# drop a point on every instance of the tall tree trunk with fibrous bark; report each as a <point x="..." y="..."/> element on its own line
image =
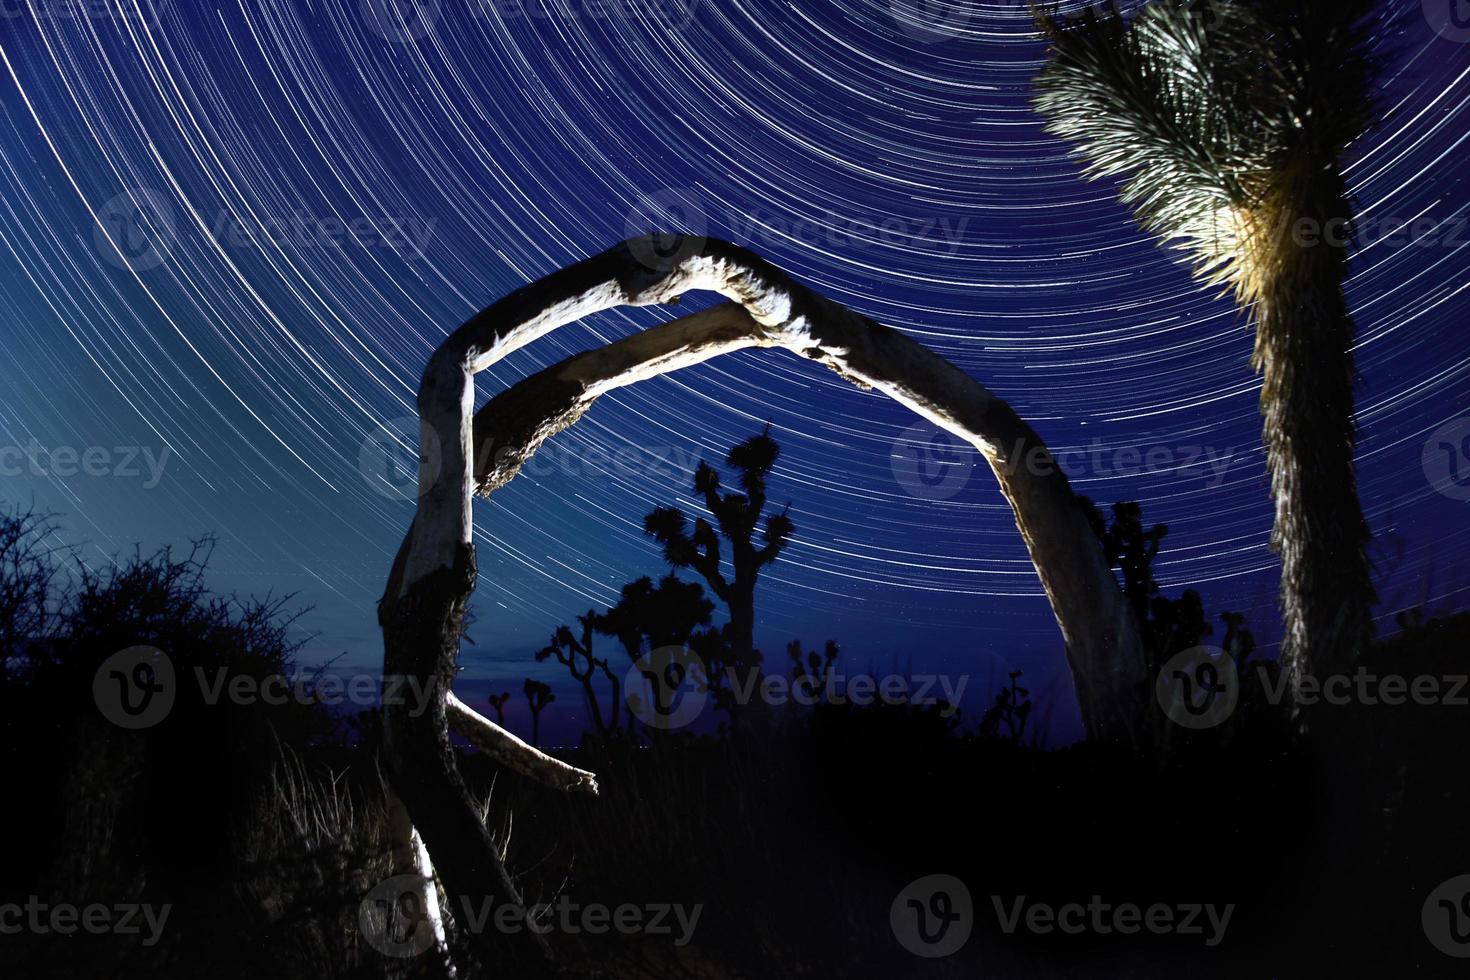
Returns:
<point x="1228" y="124"/>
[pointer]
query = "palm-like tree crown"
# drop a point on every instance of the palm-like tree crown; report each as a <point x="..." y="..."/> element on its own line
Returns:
<point x="1207" y="109"/>
<point x="1226" y="121"/>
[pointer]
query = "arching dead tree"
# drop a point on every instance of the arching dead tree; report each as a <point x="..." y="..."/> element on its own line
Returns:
<point x="433" y="575"/>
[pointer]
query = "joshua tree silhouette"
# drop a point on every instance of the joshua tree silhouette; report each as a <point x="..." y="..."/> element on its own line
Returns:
<point x="739" y="518"/>
<point x="538" y="695"/>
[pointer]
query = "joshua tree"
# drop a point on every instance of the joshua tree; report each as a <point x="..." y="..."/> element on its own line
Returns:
<point x="1228" y="121"/>
<point x="424" y="604"/>
<point x="812" y="671"/>
<point x="739" y="517"/>
<point x="1006" y="720"/>
<point x="498" y="702"/>
<point x="1167" y="625"/>
<point x="649" y="616"/>
<point x="538" y="696"/>
<point x="575" y="653"/>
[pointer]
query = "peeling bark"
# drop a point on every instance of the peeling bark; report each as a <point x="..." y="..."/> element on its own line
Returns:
<point x="422" y="609"/>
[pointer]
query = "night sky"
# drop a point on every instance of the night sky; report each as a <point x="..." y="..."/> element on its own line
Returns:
<point x="233" y="233"/>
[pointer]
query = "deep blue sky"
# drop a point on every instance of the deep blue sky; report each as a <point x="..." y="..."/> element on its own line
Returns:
<point x="897" y="168"/>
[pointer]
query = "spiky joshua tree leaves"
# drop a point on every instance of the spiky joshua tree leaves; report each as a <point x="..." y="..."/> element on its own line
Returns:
<point x="1227" y="121"/>
<point x="738" y="516"/>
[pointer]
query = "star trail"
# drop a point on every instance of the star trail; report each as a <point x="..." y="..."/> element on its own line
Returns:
<point x="233" y="233"/>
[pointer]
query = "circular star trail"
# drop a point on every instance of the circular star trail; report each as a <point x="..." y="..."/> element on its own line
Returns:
<point x="235" y="231"/>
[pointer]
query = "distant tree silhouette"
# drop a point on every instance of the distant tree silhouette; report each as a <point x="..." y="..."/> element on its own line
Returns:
<point x="1006" y="719"/>
<point x="1167" y="626"/>
<point x="811" y="672"/>
<point x="538" y="695"/>
<point x="739" y="517"/>
<point x="575" y="653"/>
<point x="648" y="617"/>
<point x="498" y="701"/>
<point x="28" y="573"/>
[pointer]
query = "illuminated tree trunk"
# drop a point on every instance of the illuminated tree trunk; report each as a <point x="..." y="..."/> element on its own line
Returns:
<point x="422" y="611"/>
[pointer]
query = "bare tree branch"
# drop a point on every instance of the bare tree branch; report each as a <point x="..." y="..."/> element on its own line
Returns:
<point x="422" y="611"/>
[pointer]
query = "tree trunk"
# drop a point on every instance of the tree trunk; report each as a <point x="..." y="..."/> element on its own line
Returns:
<point x="422" y="611"/>
<point x="1304" y="337"/>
